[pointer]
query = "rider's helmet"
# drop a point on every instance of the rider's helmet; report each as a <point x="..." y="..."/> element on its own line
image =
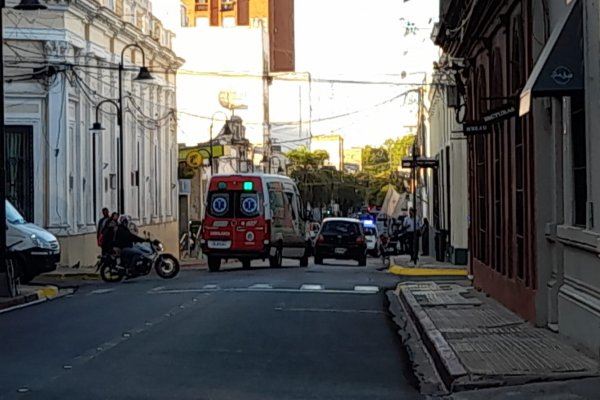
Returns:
<point x="124" y="220"/>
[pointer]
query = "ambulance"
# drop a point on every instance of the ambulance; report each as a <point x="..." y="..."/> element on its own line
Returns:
<point x="254" y="217"/>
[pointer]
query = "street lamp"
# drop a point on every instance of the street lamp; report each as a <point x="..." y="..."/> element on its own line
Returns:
<point x="143" y="75"/>
<point x="96" y="129"/>
<point x="212" y="122"/>
<point x="6" y="280"/>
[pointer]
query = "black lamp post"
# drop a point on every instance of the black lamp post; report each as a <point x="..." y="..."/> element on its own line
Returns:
<point x="96" y="129"/>
<point x="143" y="75"/>
<point x="6" y="281"/>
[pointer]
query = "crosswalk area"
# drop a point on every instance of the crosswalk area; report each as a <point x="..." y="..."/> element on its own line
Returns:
<point x="269" y="287"/>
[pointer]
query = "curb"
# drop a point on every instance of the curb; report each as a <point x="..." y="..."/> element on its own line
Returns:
<point x="39" y="296"/>
<point x="76" y="275"/>
<point x="410" y="271"/>
<point x="423" y="366"/>
<point x="445" y="359"/>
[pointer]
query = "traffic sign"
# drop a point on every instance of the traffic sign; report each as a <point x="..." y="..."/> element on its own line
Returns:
<point x="421" y="162"/>
<point x="194" y="159"/>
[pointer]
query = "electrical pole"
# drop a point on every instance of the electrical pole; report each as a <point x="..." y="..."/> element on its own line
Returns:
<point x="266" y="83"/>
<point x="415" y="155"/>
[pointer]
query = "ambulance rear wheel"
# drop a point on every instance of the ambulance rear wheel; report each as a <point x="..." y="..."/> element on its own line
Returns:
<point x="214" y="264"/>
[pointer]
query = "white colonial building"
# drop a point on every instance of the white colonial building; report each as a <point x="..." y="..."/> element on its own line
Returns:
<point x="60" y="63"/>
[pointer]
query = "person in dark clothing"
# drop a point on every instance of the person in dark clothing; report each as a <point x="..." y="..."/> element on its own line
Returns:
<point x="108" y="234"/>
<point x="101" y="223"/>
<point x="425" y="236"/>
<point x="126" y="240"/>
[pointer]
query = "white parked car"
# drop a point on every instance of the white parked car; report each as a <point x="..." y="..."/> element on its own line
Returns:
<point x="372" y="238"/>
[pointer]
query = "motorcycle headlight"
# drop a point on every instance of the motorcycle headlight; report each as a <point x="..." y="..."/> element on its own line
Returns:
<point x="160" y="246"/>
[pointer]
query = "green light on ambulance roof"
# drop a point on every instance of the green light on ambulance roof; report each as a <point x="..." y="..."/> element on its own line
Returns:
<point x="248" y="186"/>
<point x="222" y="186"/>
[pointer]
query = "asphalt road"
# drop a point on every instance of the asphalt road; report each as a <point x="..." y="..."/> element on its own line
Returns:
<point x="291" y="333"/>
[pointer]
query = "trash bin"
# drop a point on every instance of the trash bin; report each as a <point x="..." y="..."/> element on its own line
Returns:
<point x="440" y="245"/>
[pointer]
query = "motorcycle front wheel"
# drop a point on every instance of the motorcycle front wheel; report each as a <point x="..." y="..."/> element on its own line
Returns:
<point x="166" y="266"/>
<point x="110" y="274"/>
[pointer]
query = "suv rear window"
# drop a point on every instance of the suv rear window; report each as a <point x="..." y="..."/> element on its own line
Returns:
<point x="234" y="204"/>
<point x="342" y="228"/>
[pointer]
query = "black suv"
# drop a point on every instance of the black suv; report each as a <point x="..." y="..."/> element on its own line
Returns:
<point x="342" y="239"/>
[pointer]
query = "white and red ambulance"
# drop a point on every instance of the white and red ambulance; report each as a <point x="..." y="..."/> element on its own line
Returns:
<point x="254" y="216"/>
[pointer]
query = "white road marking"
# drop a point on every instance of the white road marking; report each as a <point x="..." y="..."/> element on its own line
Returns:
<point x="156" y="289"/>
<point x="259" y="286"/>
<point x="211" y="287"/>
<point x="308" y="286"/>
<point x="366" y="288"/>
<point x="100" y="291"/>
<point x="273" y="290"/>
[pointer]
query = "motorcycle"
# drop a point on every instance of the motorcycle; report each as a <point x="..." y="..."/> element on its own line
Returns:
<point x="165" y="264"/>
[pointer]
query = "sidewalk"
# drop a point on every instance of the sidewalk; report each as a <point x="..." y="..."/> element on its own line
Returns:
<point x="68" y="273"/>
<point x="474" y="342"/>
<point x="426" y="266"/>
<point x="29" y="295"/>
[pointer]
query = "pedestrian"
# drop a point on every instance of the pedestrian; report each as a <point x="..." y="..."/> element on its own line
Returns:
<point x="109" y="233"/>
<point x="101" y="223"/>
<point x="425" y="235"/>
<point x="412" y="226"/>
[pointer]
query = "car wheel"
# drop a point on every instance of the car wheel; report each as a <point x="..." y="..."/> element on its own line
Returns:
<point x="214" y="264"/>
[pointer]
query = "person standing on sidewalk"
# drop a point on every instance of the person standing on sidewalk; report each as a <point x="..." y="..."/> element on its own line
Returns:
<point x="109" y="232"/>
<point x="412" y="226"/>
<point x="101" y="224"/>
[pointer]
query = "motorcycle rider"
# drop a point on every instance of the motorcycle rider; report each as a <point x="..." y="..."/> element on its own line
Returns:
<point x="125" y="240"/>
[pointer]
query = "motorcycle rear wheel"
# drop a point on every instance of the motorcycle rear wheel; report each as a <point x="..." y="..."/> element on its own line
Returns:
<point x="109" y="274"/>
<point x="166" y="266"/>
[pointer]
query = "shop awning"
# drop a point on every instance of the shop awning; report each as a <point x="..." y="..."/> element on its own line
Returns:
<point x="559" y="69"/>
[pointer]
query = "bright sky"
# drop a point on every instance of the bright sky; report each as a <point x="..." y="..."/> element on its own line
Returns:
<point x="341" y="40"/>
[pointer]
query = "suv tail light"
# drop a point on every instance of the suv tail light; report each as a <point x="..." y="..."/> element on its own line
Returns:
<point x="321" y="239"/>
<point x="360" y="240"/>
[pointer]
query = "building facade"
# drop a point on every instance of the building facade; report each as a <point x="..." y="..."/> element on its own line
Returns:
<point x="59" y="66"/>
<point x="353" y="159"/>
<point x="449" y="193"/>
<point x="334" y="146"/>
<point x="493" y="60"/>
<point x="529" y="74"/>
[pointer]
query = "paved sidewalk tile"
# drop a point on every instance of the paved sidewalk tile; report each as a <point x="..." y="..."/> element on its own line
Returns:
<point x="476" y="342"/>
